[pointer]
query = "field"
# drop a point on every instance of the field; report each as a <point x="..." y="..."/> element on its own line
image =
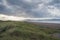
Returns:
<point x="27" y="31"/>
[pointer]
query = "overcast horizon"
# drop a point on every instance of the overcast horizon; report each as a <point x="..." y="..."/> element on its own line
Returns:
<point x="24" y="9"/>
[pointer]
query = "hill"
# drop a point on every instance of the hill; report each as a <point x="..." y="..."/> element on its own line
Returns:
<point x="26" y="31"/>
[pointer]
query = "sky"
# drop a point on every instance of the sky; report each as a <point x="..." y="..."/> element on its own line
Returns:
<point x="16" y="9"/>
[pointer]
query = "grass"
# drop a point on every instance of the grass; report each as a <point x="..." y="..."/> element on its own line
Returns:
<point x="25" y="31"/>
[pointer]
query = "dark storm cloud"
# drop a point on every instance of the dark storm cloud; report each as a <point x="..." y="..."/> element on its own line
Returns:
<point x="29" y="8"/>
<point x="56" y="3"/>
<point x="2" y="8"/>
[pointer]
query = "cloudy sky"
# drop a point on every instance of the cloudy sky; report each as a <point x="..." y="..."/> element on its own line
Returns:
<point x="13" y="9"/>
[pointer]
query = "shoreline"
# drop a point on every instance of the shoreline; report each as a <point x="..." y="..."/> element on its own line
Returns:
<point x="50" y="25"/>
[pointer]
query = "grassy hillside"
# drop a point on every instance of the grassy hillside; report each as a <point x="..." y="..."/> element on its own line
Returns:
<point x="25" y="31"/>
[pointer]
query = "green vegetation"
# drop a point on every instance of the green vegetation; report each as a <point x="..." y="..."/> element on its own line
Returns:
<point x="25" y="31"/>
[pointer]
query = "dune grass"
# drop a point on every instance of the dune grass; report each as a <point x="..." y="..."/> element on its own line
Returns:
<point x="25" y="31"/>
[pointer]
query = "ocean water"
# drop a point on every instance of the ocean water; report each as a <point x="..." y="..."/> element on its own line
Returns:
<point x="55" y="20"/>
<point x="46" y="21"/>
